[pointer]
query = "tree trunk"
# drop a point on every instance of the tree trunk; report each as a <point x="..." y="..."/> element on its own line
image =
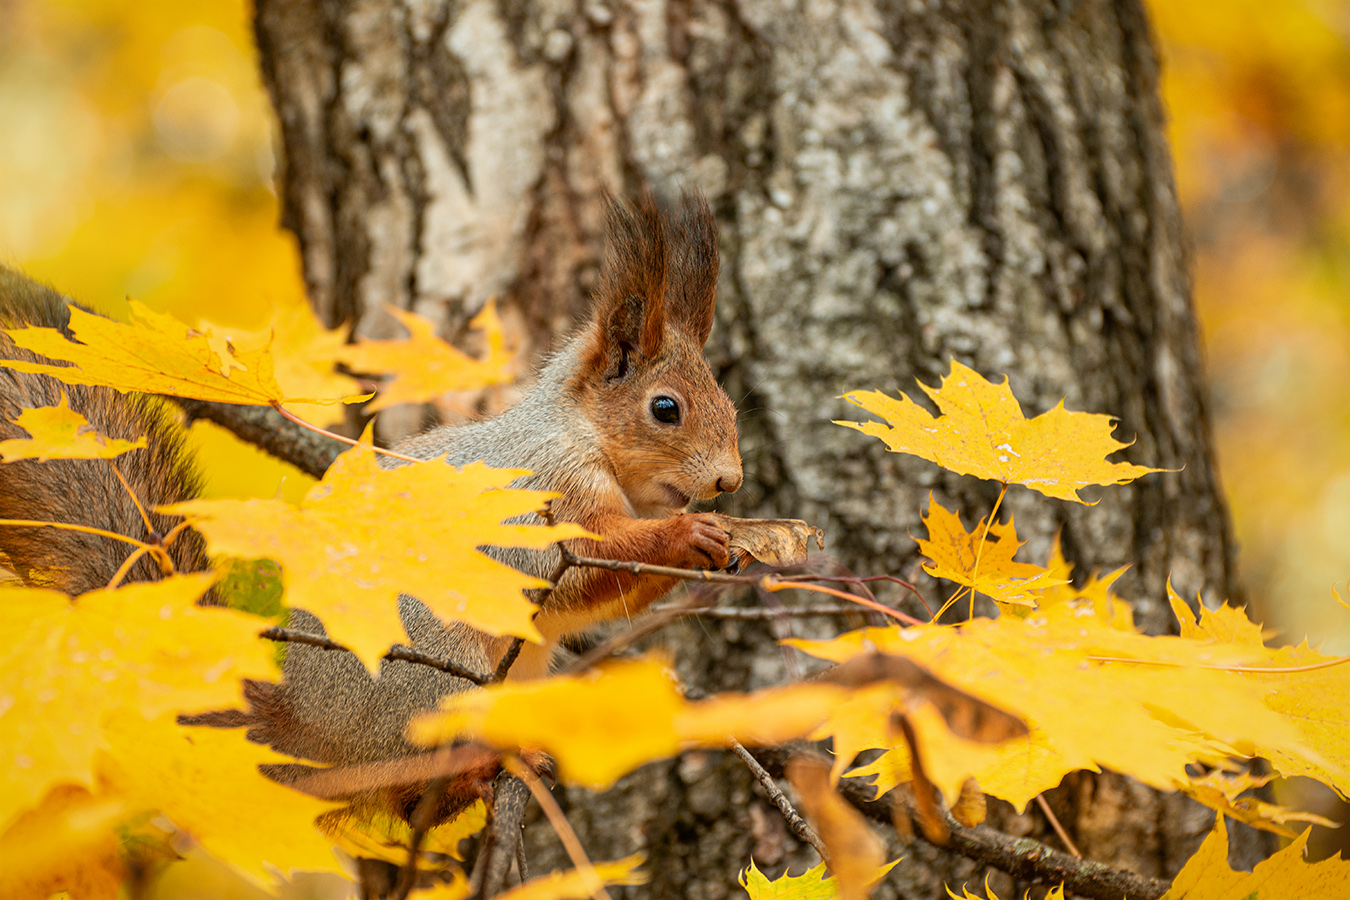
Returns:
<point x="898" y="184"/>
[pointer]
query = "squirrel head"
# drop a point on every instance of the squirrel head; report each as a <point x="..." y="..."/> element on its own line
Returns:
<point x="667" y="428"/>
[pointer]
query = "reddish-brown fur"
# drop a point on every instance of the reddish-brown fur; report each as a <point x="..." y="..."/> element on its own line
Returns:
<point x="84" y="492"/>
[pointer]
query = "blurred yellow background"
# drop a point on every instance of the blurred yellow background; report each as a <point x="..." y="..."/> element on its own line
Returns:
<point x="136" y="159"/>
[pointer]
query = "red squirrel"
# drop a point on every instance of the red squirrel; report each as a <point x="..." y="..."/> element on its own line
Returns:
<point x="625" y="421"/>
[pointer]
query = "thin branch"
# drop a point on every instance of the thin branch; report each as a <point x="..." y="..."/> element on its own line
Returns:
<point x="796" y="824"/>
<point x="769" y="582"/>
<point x="639" y="568"/>
<point x="756" y="614"/>
<point x="561" y="827"/>
<point x="351" y="442"/>
<point x="1054" y="823"/>
<point x="270" y="431"/>
<point x="404" y="654"/>
<point x="1032" y="861"/>
<point x="422" y="817"/>
<point x="502" y="843"/>
<point x="1023" y="858"/>
<point x="508" y="659"/>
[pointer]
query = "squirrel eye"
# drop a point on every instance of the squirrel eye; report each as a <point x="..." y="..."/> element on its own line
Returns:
<point x="666" y="409"/>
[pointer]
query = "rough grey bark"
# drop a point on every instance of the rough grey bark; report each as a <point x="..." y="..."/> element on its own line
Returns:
<point x="898" y="183"/>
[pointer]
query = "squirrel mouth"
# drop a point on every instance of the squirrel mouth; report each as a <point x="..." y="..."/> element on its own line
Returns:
<point x="676" y="498"/>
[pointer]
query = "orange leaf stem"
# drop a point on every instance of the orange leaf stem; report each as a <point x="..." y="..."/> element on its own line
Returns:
<point x="123" y="569"/>
<point x="340" y="437"/>
<point x="769" y="583"/>
<point x="979" y="548"/>
<point x="953" y="600"/>
<point x="1054" y="823"/>
<point x="145" y="517"/>
<point x="66" y="526"/>
<point x="561" y="827"/>
<point x="1246" y="670"/>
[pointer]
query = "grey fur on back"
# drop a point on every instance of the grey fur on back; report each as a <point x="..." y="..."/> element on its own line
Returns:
<point x="342" y="715"/>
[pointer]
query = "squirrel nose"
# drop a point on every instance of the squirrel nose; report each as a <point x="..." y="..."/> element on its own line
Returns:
<point x="729" y="483"/>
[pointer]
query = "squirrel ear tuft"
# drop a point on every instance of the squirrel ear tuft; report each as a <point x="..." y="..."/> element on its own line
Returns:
<point x="630" y="300"/>
<point x="694" y="264"/>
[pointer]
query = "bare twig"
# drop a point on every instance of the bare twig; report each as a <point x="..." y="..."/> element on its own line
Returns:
<point x="770" y="582"/>
<point x="508" y="659"/>
<point x="1023" y="858"/>
<point x="503" y="841"/>
<point x="796" y="824"/>
<point x="405" y="654"/>
<point x="614" y="643"/>
<point x="755" y="614"/>
<point x="421" y="820"/>
<point x="351" y="442"/>
<point x="270" y="431"/>
<point x="561" y="827"/>
<point x="1054" y="823"/>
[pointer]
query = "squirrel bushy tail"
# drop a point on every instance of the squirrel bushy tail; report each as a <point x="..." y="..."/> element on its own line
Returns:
<point x="85" y="492"/>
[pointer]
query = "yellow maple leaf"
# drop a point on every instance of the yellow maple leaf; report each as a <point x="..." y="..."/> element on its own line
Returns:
<point x="855" y="851"/>
<point x="1063" y="599"/>
<point x="157" y="354"/>
<point x="206" y="781"/>
<point x="1285" y="876"/>
<point x="1055" y="893"/>
<point x="363" y="535"/>
<point x="861" y="721"/>
<point x="602" y="724"/>
<point x="1309" y="694"/>
<point x="887" y="771"/>
<point x="304" y="355"/>
<point x="382" y="834"/>
<point x="957" y="555"/>
<point x="67" y="843"/>
<point x="1181" y="709"/>
<point x="1225" y="625"/>
<point x="58" y="432"/>
<point x="981" y="431"/>
<point x="66" y="662"/>
<point x="813" y="884"/>
<point x="1221" y="791"/>
<point x="557" y="885"/>
<point x="424" y="367"/>
<point x="572" y="885"/>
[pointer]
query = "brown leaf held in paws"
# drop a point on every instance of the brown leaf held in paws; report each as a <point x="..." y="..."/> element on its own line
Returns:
<point x="775" y="542"/>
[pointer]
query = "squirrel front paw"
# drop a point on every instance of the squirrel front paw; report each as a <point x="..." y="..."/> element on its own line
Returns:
<point x="697" y="541"/>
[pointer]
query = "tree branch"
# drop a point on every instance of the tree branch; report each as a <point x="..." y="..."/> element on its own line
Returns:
<point x="267" y="429"/>
<point x="796" y="824"/>
<point x="1023" y="858"/>
<point x="406" y="654"/>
